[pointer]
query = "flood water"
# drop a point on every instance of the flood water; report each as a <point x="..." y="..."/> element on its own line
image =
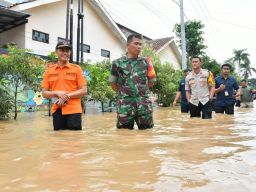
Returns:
<point x="179" y="154"/>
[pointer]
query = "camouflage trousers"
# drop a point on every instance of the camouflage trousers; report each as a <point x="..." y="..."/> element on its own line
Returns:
<point x="139" y="110"/>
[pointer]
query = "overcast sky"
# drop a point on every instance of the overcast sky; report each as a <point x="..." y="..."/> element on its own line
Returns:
<point x="229" y="24"/>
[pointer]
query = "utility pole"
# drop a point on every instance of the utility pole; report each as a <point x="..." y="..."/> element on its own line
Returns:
<point x="183" y="37"/>
<point x="67" y="20"/>
<point x="82" y="31"/>
<point x="71" y="30"/>
<point x="78" y="44"/>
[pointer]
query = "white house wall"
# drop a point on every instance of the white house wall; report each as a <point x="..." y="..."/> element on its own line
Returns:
<point x="51" y="19"/>
<point x="15" y="35"/>
<point x="167" y="55"/>
<point x="100" y="37"/>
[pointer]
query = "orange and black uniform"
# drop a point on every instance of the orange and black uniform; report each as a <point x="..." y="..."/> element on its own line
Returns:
<point x="67" y="78"/>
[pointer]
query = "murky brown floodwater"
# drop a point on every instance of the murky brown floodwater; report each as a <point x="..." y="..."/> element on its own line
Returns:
<point x="179" y="154"/>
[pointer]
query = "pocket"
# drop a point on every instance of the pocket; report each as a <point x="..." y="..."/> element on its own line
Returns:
<point x="191" y="82"/>
<point x="53" y="77"/>
<point x="125" y="108"/>
<point x="203" y="81"/>
<point x="145" y="107"/>
<point x="70" y="77"/>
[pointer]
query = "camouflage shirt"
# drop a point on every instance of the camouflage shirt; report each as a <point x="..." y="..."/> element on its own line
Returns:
<point x="132" y="76"/>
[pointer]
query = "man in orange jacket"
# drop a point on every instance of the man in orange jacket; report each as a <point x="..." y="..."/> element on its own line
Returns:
<point x="65" y="84"/>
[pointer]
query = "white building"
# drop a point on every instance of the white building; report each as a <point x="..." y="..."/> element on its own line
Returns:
<point x="103" y="38"/>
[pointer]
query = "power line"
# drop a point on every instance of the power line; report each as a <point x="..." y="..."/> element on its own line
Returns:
<point x="214" y="27"/>
<point x="133" y="23"/>
<point x="213" y="35"/>
<point x="156" y="12"/>
<point x="177" y="3"/>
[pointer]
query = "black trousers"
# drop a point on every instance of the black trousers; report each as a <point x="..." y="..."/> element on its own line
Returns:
<point x="228" y="109"/>
<point x="206" y="110"/>
<point x="66" y="122"/>
<point x="184" y="107"/>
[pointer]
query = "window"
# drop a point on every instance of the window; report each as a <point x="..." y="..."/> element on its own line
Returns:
<point x="40" y="36"/>
<point x="60" y="39"/>
<point x="86" y="48"/>
<point x="105" y="53"/>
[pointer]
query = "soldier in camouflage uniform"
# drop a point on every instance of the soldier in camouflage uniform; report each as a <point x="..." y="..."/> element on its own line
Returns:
<point x="131" y="77"/>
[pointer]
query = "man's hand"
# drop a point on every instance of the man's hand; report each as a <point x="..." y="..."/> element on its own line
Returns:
<point x="63" y="100"/>
<point x="222" y="87"/>
<point x="174" y="103"/>
<point x="59" y="94"/>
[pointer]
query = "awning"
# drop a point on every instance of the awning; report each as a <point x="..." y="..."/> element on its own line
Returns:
<point x="10" y="19"/>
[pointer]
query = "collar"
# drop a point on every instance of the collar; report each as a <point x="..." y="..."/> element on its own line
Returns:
<point x="224" y="78"/>
<point x="138" y="58"/>
<point x="200" y="72"/>
<point x="68" y="65"/>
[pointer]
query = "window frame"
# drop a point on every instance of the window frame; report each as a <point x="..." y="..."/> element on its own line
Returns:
<point x="104" y="55"/>
<point x="34" y="38"/>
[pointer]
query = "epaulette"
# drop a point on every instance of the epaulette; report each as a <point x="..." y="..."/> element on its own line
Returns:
<point x="205" y="70"/>
<point x="51" y="65"/>
<point x="74" y="65"/>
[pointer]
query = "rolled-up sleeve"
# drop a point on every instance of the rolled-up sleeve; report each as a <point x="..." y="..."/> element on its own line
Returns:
<point x="81" y="80"/>
<point x="45" y="82"/>
<point x="187" y="87"/>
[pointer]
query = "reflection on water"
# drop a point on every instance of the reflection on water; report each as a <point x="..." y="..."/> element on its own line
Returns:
<point x="179" y="154"/>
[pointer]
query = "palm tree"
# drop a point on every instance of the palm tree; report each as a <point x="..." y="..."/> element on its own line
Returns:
<point x="240" y="58"/>
<point x="247" y="69"/>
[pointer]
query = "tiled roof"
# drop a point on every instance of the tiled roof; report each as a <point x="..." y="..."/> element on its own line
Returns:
<point x="159" y="43"/>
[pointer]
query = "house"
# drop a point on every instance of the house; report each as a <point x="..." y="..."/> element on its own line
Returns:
<point x="165" y="47"/>
<point x="47" y="25"/>
<point x="103" y="38"/>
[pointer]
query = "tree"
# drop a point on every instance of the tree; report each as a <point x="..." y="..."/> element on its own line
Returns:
<point x="247" y="70"/>
<point x="167" y="77"/>
<point x="167" y="84"/>
<point x="52" y="57"/>
<point x="98" y="87"/>
<point x="6" y="103"/>
<point x="211" y="65"/>
<point x="240" y="58"/>
<point x="22" y="69"/>
<point x="194" y="38"/>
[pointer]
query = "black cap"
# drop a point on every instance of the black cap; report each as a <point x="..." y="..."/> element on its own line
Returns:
<point x="63" y="44"/>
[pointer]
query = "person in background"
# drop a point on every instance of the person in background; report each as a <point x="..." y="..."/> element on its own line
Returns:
<point x="246" y="94"/>
<point x="182" y="93"/>
<point x="199" y="86"/>
<point x="226" y="89"/>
